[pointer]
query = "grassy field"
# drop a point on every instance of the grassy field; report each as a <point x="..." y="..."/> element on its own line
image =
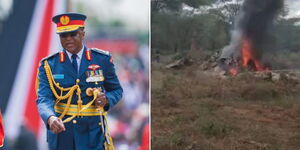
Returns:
<point x="194" y="110"/>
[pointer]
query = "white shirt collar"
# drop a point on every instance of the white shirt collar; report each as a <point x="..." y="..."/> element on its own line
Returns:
<point x="79" y="54"/>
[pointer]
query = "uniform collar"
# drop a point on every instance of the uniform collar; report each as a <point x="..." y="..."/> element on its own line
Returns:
<point x="79" y="54"/>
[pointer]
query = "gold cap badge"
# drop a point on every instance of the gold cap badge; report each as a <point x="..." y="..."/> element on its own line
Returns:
<point x="64" y="20"/>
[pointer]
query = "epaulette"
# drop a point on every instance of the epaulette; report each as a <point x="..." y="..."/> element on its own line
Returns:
<point x="100" y="51"/>
<point x="50" y="56"/>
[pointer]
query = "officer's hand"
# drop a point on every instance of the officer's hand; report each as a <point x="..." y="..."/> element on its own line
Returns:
<point x="56" y="125"/>
<point x="101" y="100"/>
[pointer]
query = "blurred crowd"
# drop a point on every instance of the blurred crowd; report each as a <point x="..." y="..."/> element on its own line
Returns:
<point x="129" y="121"/>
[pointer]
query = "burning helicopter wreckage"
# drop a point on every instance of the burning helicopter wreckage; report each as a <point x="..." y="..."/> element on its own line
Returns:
<point x="249" y="40"/>
<point x="249" y="36"/>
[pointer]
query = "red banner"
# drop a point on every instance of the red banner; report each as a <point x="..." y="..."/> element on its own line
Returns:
<point x="1" y="131"/>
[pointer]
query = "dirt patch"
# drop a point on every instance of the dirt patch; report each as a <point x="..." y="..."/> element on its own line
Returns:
<point x="192" y="110"/>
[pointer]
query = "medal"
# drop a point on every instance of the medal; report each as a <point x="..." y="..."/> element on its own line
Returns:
<point x="94" y="74"/>
<point x="93" y="67"/>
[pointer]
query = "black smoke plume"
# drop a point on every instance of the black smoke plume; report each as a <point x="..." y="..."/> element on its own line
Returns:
<point x="253" y="23"/>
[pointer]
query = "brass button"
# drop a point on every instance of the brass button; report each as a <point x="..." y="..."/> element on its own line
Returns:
<point x="74" y="121"/>
<point x="100" y="123"/>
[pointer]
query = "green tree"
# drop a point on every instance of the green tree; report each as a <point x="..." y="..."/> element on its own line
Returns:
<point x="175" y="30"/>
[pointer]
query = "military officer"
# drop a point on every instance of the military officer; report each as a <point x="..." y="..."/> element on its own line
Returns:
<point x="72" y="86"/>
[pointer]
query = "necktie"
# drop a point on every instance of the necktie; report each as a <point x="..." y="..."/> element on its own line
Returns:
<point x="74" y="62"/>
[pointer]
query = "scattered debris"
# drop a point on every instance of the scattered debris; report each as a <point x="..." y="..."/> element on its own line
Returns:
<point x="180" y="63"/>
<point x="257" y="144"/>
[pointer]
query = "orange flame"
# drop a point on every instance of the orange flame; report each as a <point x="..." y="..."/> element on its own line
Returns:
<point x="247" y="56"/>
<point x="233" y="71"/>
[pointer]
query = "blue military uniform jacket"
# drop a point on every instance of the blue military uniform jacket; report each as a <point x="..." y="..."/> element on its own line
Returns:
<point x="84" y="133"/>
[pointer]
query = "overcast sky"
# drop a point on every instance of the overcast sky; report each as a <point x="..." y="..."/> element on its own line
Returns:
<point x="134" y="13"/>
<point x="294" y="7"/>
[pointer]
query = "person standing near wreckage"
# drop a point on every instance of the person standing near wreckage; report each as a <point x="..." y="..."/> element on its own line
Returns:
<point x="76" y="87"/>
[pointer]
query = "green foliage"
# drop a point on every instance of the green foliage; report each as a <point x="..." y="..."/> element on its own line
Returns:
<point x="176" y="5"/>
<point x="95" y="22"/>
<point x="116" y="23"/>
<point x="212" y="32"/>
<point x="196" y="3"/>
<point x="215" y="128"/>
<point x="176" y="33"/>
<point x="175" y="30"/>
<point x="160" y="5"/>
<point x="209" y="124"/>
<point x="287" y="35"/>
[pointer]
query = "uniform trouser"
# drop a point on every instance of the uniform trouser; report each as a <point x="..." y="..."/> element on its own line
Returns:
<point x="66" y="144"/>
<point x="86" y="134"/>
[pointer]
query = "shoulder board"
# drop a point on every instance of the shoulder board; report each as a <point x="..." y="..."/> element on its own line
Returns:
<point x="50" y="56"/>
<point x="101" y="51"/>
